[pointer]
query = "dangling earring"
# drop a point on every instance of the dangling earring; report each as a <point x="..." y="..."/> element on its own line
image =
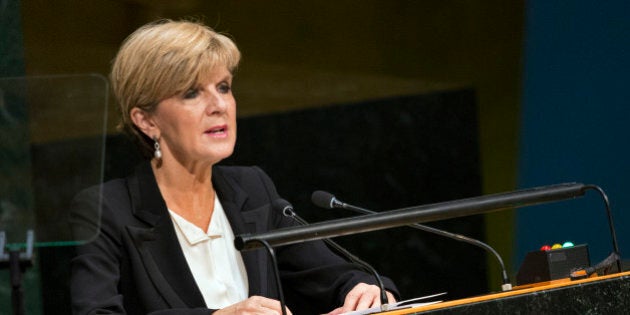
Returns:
<point x="158" y="153"/>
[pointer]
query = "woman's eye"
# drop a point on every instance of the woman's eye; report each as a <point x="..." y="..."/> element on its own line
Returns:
<point x="224" y="88"/>
<point x="191" y="93"/>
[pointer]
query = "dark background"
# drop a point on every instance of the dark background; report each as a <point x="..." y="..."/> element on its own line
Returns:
<point x="382" y="155"/>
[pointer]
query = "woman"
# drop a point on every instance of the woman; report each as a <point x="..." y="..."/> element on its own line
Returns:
<point x="165" y="241"/>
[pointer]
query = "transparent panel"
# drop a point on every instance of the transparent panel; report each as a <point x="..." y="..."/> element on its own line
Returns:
<point x="52" y="144"/>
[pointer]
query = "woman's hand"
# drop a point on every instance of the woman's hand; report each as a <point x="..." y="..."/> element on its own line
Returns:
<point x="362" y="296"/>
<point x="253" y="305"/>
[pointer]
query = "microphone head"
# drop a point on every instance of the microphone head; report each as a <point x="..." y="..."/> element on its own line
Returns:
<point x="282" y="205"/>
<point x="323" y="199"/>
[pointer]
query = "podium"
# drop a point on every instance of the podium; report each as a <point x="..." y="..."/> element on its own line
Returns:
<point x="596" y="295"/>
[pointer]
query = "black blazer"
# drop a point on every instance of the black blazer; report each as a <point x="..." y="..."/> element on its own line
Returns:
<point x="135" y="264"/>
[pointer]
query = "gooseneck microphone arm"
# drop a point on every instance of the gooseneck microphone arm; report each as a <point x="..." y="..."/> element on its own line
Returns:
<point x="287" y="211"/>
<point x="326" y="200"/>
<point x="419" y="214"/>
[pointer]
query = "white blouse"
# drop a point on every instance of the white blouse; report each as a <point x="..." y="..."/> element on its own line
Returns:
<point x="216" y="265"/>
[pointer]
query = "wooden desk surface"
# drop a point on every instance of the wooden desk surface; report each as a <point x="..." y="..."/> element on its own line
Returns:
<point x="515" y="292"/>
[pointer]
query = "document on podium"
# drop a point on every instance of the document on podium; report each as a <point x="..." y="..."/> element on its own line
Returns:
<point x="415" y="302"/>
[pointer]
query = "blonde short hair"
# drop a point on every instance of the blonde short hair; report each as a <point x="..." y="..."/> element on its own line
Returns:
<point x="162" y="59"/>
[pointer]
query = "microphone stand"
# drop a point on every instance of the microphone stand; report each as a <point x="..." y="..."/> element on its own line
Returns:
<point x="611" y="225"/>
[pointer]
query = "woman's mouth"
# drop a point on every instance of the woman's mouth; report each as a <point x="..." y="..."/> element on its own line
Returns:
<point x="217" y="131"/>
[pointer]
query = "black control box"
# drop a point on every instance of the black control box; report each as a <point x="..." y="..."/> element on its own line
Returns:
<point x="546" y="265"/>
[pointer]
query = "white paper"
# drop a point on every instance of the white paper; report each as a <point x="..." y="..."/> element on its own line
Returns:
<point x="415" y="302"/>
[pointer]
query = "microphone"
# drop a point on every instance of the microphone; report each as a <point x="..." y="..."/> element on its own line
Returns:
<point x="287" y="210"/>
<point x="326" y="200"/>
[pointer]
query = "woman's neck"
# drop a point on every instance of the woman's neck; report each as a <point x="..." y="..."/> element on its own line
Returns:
<point x="187" y="190"/>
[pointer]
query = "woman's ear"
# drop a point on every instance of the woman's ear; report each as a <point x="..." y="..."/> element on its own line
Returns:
<point x="144" y="122"/>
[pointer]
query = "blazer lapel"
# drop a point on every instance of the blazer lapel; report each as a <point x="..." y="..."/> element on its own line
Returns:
<point x="242" y="220"/>
<point x="158" y="246"/>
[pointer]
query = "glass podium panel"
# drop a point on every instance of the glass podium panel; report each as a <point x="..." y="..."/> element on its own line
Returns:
<point x="52" y="145"/>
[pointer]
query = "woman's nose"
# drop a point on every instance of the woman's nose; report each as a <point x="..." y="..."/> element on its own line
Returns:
<point x="216" y="104"/>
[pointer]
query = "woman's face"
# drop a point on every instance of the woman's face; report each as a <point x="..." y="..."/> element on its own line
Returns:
<point x="200" y="124"/>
